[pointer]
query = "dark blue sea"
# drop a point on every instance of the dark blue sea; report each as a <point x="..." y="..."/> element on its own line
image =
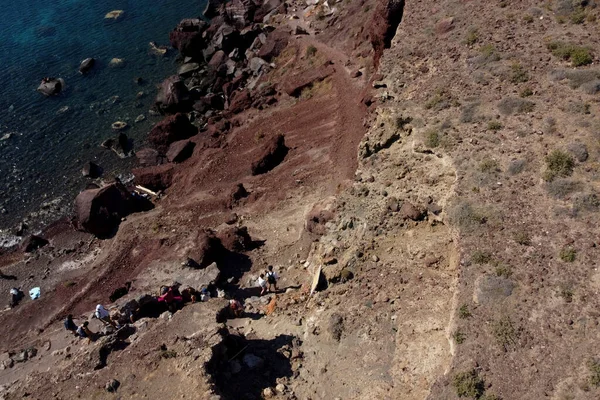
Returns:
<point x="44" y="142"/>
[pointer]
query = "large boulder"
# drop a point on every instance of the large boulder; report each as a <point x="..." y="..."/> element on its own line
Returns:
<point x="51" y="86"/>
<point x="235" y="238"/>
<point x="187" y="37"/>
<point x="180" y="151"/>
<point x="171" y="129"/>
<point x="148" y="157"/>
<point x="173" y="96"/>
<point x="271" y="156"/>
<point x="156" y="178"/>
<point x="208" y="249"/>
<point x="99" y="211"/>
<point x="276" y="42"/>
<point x="240" y="12"/>
<point x="384" y="22"/>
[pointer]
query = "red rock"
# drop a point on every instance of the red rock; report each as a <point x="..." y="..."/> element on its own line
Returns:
<point x="173" y="96"/>
<point x="156" y="178"/>
<point x="239" y="192"/>
<point x="410" y="211"/>
<point x="99" y="211"/>
<point x="384" y="22"/>
<point x="32" y="243"/>
<point x="276" y="42"/>
<point x="235" y="238"/>
<point x="171" y="129"/>
<point x="148" y="157"/>
<point x="180" y="151"/>
<point x="444" y="26"/>
<point x="240" y="101"/>
<point x="295" y="83"/>
<point x="187" y="37"/>
<point x="272" y="155"/>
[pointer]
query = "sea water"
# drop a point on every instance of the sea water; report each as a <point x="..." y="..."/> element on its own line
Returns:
<point x="44" y="142"/>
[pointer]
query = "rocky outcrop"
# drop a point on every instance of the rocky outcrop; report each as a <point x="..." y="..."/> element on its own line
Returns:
<point x="173" y="96"/>
<point x="237" y="194"/>
<point x="272" y="155"/>
<point x="235" y="238"/>
<point x="240" y="12"/>
<point x="99" y="211"/>
<point x="180" y="151"/>
<point x="294" y="84"/>
<point x="384" y="22"/>
<point x="240" y="101"/>
<point x="51" y="86"/>
<point x="276" y="42"/>
<point x="208" y="249"/>
<point x="171" y="129"/>
<point x="32" y="243"/>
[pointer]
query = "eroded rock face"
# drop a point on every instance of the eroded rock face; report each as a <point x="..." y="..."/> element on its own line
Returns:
<point x="171" y="129"/>
<point x="272" y="155"/>
<point x="385" y="21"/>
<point x="173" y="96"/>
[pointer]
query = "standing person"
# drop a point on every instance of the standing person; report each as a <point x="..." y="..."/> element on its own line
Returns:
<point x="103" y="315"/>
<point x="272" y="278"/>
<point x="70" y="325"/>
<point x="262" y="283"/>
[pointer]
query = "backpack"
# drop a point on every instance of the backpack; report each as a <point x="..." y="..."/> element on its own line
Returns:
<point x="271" y="278"/>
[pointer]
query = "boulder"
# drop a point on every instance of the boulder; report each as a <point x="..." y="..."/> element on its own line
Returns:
<point x="173" y="96"/>
<point x="294" y="85"/>
<point x="217" y="60"/>
<point x="86" y="65"/>
<point x="32" y="243"/>
<point x="51" y="86"/>
<point x="171" y="129"/>
<point x="266" y="8"/>
<point x="240" y="12"/>
<point x="180" y="151"/>
<point x="156" y="178"/>
<point x="148" y="157"/>
<point x="99" y="211"/>
<point x="91" y="170"/>
<point x="444" y="25"/>
<point x="199" y="278"/>
<point x="187" y="37"/>
<point x="207" y="250"/>
<point x="235" y="238"/>
<point x="384" y="22"/>
<point x="188" y="69"/>
<point x="271" y="156"/>
<point x="410" y="211"/>
<point x="239" y="192"/>
<point x="112" y="386"/>
<point x="274" y="45"/>
<point x="212" y="7"/>
<point x="240" y="101"/>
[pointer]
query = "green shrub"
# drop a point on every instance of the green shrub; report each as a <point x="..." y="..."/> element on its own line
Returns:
<point x="432" y="139"/>
<point x="494" y="126"/>
<point x="472" y="37"/>
<point x="578" y="17"/>
<point x="505" y="332"/>
<point x="481" y="257"/>
<point x="488" y="166"/>
<point x="503" y="270"/>
<point x="568" y="254"/>
<point x="513" y="105"/>
<point x="464" y="312"/>
<point x="459" y="337"/>
<point x="558" y="164"/>
<point x="526" y="92"/>
<point x="168" y="354"/>
<point x="466" y="216"/>
<point x="522" y="238"/>
<point x="518" y="73"/>
<point x="311" y="51"/>
<point x="566" y="292"/>
<point x="578" y="55"/>
<point x="468" y="384"/>
<point x="594" y="367"/>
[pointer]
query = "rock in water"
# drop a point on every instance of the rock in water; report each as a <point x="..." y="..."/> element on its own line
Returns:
<point x="173" y="96"/>
<point x="116" y="62"/>
<point x="272" y="155"/>
<point x="91" y="170"/>
<point x="51" y="86"/>
<point x="114" y="14"/>
<point x="86" y="65"/>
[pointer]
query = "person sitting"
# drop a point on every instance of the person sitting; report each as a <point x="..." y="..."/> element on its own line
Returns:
<point x="272" y="278"/>
<point x="85" y="333"/>
<point x="170" y="299"/>
<point x="236" y="309"/>
<point x="262" y="283"/>
<point x="103" y="315"/>
<point x="189" y="294"/>
<point x="70" y="325"/>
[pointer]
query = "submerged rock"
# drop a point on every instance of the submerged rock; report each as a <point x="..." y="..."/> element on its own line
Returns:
<point x="114" y="14"/>
<point x="86" y="65"/>
<point x="51" y="86"/>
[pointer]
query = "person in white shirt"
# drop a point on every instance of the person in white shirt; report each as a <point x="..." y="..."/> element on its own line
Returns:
<point x="103" y="315"/>
<point x="262" y="283"/>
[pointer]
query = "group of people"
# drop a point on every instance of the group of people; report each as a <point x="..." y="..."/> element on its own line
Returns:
<point x="171" y="298"/>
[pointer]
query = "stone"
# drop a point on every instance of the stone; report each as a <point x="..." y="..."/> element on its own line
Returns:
<point x="492" y="289"/>
<point x="579" y="151"/>
<point x="272" y="154"/>
<point x="180" y="151"/>
<point x="280" y="388"/>
<point x="268" y="393"/>
<point x="51" y="86"/>
<point x="173" y="96"/>
<point x="156" y="178"/>
<point x="240" y="101"/>
<point x="116" y="62"/>
<point x="114" y="14"/>
<point x="148" y="157"/>
<point x="91" y="170"/>
<point x="294" y="85"/>
<point x="253" y="362"/>
<point x="187" y="37"/>
<point x="275" y="43"/>
<point x="410" y="211"/>
<point x="8" y="363"/>
<point x="157" y="50"/>
<point x="171" y="129"/>
<point x="237" y="194"/>
<point x="207" y="249"/>
<point x="188" y="69"/>
<point x="140" y="118"/>
<point x="33" y="243"/>
<point x="235" y="238"/>
<point x="335" y="326"/>
<point x="240" y="12"/>
<point x="86" y="65"/>
<point x="444" y="26"/>
<point x="112" y="385"/>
